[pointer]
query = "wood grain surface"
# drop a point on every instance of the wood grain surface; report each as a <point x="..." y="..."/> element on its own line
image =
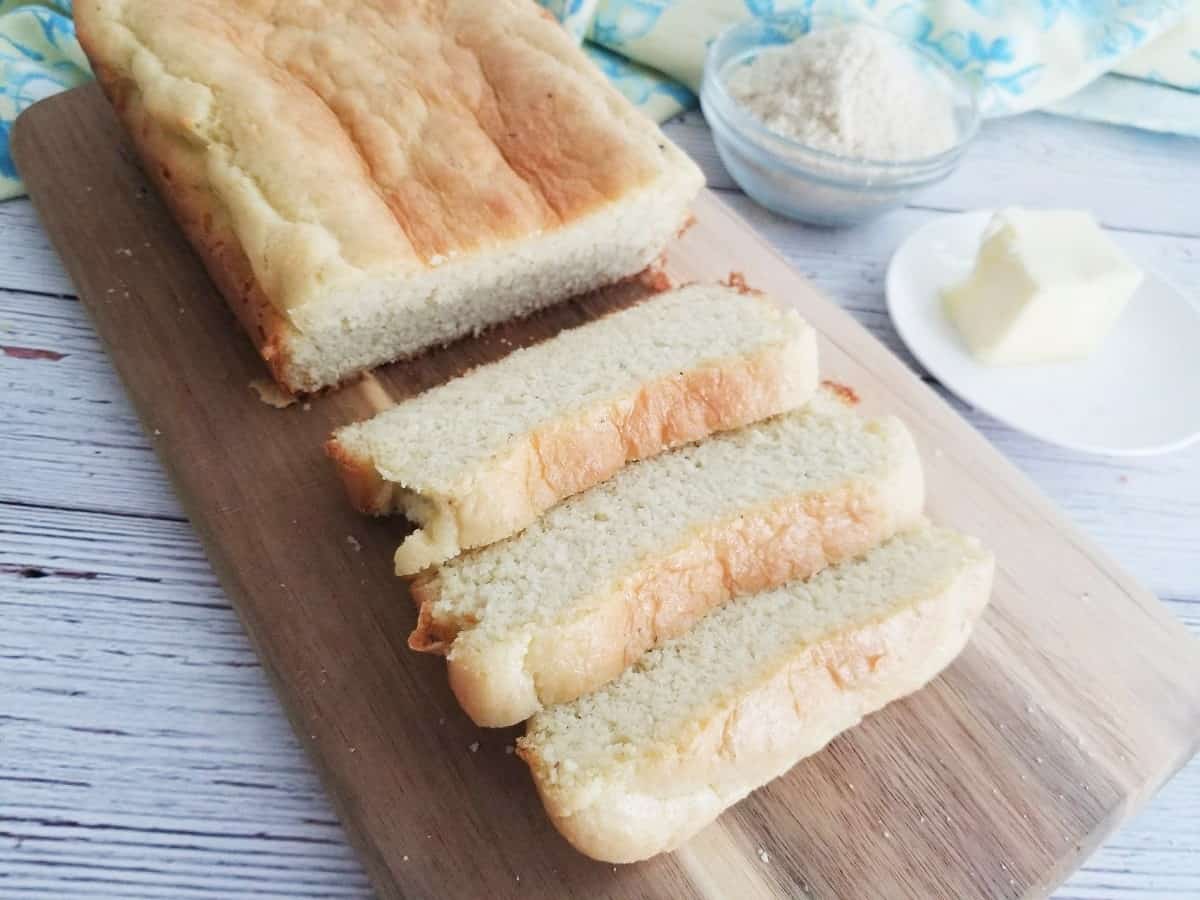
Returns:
<point x="1077" y="697"/>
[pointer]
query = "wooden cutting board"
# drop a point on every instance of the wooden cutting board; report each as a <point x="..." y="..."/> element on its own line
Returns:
<point x="1078" y="696"/>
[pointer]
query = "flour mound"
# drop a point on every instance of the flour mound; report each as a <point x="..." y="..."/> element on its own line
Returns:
<point x="851" y="90"/>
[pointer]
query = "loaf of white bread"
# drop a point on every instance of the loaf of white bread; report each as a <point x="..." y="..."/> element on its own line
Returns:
<point x="364" y="179"/>
<point x="638" y="766"/>
<point x="574" y="599"/>
<point x="367" y="178"/>
<point x="481" y="457"/>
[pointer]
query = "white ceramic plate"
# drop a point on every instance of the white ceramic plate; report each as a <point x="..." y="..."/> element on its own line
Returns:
<point x="1138" y="394"/>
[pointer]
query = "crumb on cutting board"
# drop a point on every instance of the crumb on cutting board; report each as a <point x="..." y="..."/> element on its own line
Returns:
<point x="272" y="394"/>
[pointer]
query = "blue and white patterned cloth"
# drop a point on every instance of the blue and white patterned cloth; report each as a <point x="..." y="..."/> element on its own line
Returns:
<point x="1021" y="54"/>
<point x="39" y="56"/>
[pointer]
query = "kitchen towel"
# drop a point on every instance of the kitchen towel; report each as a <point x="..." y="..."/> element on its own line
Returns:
<point x="1021" y="54"/>
<point x="39" y="56"/>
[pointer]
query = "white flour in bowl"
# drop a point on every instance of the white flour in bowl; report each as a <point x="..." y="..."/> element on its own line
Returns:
<point x="851" y="90"/>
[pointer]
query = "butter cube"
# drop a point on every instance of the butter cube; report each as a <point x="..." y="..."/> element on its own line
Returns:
<point x="1048" y="285"/>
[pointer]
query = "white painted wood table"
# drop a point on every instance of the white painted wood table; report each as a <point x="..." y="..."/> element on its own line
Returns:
<point x="142" y="753"/>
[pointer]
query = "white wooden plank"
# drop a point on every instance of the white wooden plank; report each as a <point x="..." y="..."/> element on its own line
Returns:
<point x="28" y="262"/>
<point x="1130" y="179"/>
<point x="144" y="753"/>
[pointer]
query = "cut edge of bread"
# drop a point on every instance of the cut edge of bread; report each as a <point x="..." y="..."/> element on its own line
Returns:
<point x="822" y="689"/>
<point x="328" y="341"/>
<point x="502" y="682"/>
<point x="572" y="453"/>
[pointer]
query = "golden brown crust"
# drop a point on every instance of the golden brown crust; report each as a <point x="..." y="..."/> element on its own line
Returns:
<point x="429" y="636"/>
<point x="571" y="455"/>
<point x="207" y="227"/>
<point x="310" y="149"/>
<point x="794" y="712"/>
<point x="436" y="110"/>
<point x="366" y="489"/>
<point x="760" y="549"/>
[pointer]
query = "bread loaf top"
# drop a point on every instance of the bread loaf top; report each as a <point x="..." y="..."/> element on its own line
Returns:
<point x="349" y="139"/>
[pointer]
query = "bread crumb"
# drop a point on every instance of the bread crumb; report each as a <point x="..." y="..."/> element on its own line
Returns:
<point x="124" y="251"/>
<point x="354" y="543"/>
<point x="510" y="749"/>
<point x="737" y="281"/>
<point x="844" y="392"/>
<point x="405" y="857"/>
<point x="442" y="720"/>
<point x="473" y="746"/>
<point x="306" y="407"/>
<point x="352" y="749"/>
<point x="887" y="834"/>
<point x="764" y="855"/>
<point x="272" y="394"/>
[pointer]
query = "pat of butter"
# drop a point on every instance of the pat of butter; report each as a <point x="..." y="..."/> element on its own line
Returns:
<point x="1048" y="285"/>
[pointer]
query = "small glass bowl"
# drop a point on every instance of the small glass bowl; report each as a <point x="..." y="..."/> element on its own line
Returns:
<point x="802" y="182"/>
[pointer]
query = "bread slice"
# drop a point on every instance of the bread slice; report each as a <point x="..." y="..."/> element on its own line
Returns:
<point x="640" y="765"/>
<point x="479" y="458"/>
<point x="578" y="596"/>
<point x="367" y="178"/>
